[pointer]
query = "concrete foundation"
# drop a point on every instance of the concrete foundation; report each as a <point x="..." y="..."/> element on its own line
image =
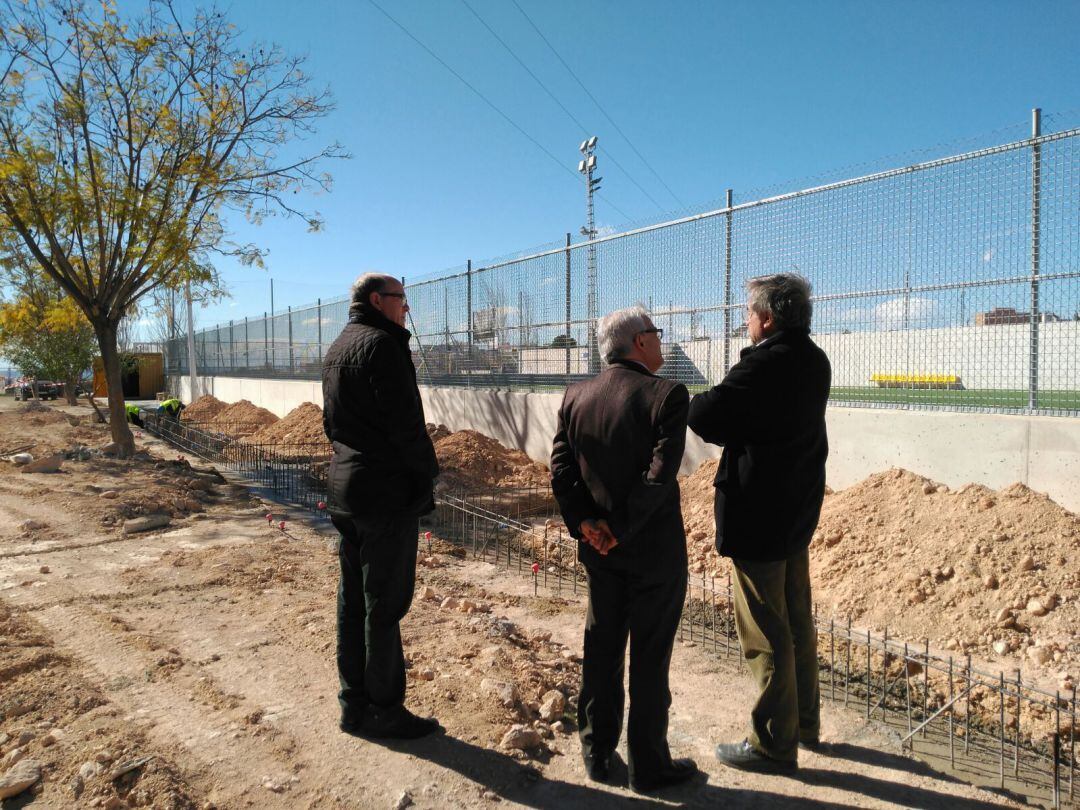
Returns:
<point x="953" y="448"/>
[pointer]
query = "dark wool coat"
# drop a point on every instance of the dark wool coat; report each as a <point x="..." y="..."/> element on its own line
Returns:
<point x="616" y="456"/>
<point x="769" y="415"/>
<point x="383" y="459"/>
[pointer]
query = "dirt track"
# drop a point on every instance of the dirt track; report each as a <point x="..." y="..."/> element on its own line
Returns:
<point x="208" y="646"/>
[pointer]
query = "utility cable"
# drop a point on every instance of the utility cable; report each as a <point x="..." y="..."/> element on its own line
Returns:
<point x="598" y="105"/>
<point x="562" y="106"/>
<point x="491" y="104"/>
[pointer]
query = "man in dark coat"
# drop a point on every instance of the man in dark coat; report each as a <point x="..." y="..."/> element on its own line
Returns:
<point x="381" y="480"/>
<point x="613" y="471"/>
<point x="769" y="414"/>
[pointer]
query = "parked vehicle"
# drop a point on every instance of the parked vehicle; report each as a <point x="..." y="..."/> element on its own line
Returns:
<point x="45" y="390"/>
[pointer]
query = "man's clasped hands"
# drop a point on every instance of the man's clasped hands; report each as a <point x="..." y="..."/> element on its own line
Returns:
<point x="597" y="533"/>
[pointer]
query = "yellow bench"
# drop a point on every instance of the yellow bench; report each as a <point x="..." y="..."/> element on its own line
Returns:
<point x="916" y="380"/>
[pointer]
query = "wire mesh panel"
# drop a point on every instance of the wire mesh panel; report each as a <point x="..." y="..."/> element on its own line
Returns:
<point x="949" y="284"/>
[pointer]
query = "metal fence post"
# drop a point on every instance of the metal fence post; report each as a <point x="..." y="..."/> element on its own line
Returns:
<point x="266" y="341"/>
<point x="568" y="308"/>
<point x="232" y="347"/>
<point x="318" y="317"/>
<point x="247" y="345"/>
<point x="1036" y="216"/>
<point x="468" y="308"/>
<point x="727" y="280"/>
<point x="291" y="355"/>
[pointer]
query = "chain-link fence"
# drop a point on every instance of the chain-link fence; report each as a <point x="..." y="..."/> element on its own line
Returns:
<point x="953" y="283"/>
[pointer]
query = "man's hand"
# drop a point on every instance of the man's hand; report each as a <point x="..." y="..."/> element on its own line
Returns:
<point x="597" y="533"/>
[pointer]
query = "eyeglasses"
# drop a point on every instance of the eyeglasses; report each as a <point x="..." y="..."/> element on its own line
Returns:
<point x="404" y="298"/>
<point x="654" y="331"/>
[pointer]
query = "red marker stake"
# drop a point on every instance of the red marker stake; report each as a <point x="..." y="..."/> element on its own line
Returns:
<point x="535" y="570"/>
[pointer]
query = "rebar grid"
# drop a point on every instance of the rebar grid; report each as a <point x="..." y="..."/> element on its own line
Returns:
<point x="989" y="729"/>
<point x="951" y="284"/>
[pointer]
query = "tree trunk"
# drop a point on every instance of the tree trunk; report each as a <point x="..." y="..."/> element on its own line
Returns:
<point x="110" y="359"/>
<point x="69" y="390"/>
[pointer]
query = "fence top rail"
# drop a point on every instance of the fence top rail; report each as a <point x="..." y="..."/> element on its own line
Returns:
<point x="1025" y="143"/>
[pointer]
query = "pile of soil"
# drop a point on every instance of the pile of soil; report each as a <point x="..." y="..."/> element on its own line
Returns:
<point x="991" y="573"/>
<point x="469" y="460"/>
<point x="203" y="409"/>
<point x="242" y="419"/>
<point x="301" y="427"/>
<point x="994" y="573"/>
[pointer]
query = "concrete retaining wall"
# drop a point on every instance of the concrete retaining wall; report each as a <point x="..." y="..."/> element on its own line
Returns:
<point x="954" y="448"/>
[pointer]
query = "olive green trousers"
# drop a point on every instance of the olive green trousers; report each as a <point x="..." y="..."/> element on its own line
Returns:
<point x="775" y="622"/>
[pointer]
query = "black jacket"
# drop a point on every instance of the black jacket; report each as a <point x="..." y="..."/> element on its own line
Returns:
<point x="383" y="460"/>
<point x="616" y="456"/>
<point x="769" y="414"/>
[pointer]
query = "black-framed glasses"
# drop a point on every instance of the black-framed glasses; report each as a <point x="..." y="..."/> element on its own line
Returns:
<point x="654" y="331"/>
<point x="404" y="298"/>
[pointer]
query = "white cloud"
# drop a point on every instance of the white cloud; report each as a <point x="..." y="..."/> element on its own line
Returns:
<point x="986" y="257"/>
<point x="889" y="314"/>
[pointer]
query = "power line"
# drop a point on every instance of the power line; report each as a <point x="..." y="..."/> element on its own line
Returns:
<point x="598" y="105"/>
<point x="487" y="101"/>
<point x="562" y="107"/>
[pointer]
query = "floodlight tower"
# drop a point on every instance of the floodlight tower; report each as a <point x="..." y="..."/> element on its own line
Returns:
<point x="587" y="166"/>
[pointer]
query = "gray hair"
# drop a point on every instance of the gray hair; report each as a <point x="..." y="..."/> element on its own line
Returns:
<point x="364" y="286"/>
<point x="615" y="333"/>
<point x="785" y="296"/>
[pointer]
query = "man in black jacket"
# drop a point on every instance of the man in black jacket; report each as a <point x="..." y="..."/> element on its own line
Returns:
<point x="381" y="480"/>
<point x="769" y="414"/>
<point x="613" y="471"/>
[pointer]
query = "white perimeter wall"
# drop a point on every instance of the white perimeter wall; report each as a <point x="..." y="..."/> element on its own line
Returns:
<point x="954" y="448"/>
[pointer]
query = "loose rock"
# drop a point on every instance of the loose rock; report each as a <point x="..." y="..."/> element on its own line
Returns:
<point x="505" y="693"/>
<point x="51" y="464"/>
<point x="520" y="737"/>
<point x="147" y="523"/>
<point x="23" y="775"/>
<point x="552" y="705"/>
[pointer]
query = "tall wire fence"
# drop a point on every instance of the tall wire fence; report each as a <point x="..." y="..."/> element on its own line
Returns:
<point x="948" y="284"/>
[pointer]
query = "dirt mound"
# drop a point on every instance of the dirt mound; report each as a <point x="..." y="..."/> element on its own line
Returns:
<point x="471" y="460"/>
<point x="993" y="573"/>
<point x="242" y="419"/>
<point x="697" y="508"/>
<point x="301" y="427"/>
<point x="37" y="413"/>
<point x="203" y="409"/>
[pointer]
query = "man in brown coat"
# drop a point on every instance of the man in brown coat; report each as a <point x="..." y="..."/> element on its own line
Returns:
<point x="613" y="467"/>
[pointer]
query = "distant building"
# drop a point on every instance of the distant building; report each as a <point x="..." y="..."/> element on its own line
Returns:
<point x="1007" y="315"/>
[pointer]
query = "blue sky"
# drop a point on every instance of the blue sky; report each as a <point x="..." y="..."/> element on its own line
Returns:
<point x="756" y="96"/>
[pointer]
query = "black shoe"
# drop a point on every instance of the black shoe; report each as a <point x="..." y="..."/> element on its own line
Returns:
<point x="598" y="766"/>
<point x="352" y="722"/>
<point x="679" y="771"/>
<point x="397" y="723"/>
<point x="747" y="758"/>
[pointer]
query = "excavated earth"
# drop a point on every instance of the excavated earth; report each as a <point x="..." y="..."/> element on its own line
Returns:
<point x="191" y="665"/>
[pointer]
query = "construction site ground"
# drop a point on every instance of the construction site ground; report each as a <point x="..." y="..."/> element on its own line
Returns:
<point x="192" y="666"/>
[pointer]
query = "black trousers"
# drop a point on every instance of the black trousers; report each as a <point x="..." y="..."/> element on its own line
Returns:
<point x="378" y="575"/>
<point x="646" y="608"/>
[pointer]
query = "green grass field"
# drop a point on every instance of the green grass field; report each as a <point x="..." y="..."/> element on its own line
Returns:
<point x="974" y="398"/>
